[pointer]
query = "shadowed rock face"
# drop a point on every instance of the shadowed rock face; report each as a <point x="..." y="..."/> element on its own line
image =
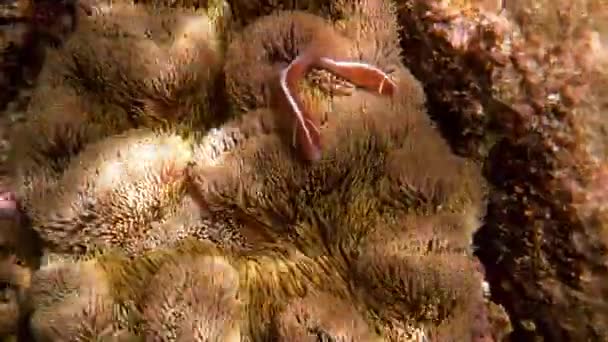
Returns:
<point x="538" y="127"/>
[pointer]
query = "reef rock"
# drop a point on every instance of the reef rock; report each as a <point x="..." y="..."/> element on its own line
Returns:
<point x="521" y="87"/>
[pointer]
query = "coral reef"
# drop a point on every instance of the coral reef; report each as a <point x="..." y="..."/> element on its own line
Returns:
<point x="522" y="92"/>
<point x="379" y="217"/>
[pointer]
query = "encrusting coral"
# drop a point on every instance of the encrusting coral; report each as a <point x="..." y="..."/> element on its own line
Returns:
<point x="523" y="90"/>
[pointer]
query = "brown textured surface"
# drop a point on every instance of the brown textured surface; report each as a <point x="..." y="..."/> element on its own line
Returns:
<point x="517" y="99"/>
<point x="544" y="244"/>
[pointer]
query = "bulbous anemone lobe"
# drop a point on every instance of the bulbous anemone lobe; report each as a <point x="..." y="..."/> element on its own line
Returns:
<point x="322" y="316"/>
<point x="49" y="22"/>
<point x="56" y="128"/>
<point x="193" y="298"/>
<point x="286" y="46"/>
<point x="426" y="268"/>
<point x="385" y="161"/>
<point x="161" y="61"/>
<point x="119" y="70"/>
<point x="69" y="301"/>
<point x="111" y="194"/>
<point x="107" y="78"/>
<point x="371" y="23"/>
